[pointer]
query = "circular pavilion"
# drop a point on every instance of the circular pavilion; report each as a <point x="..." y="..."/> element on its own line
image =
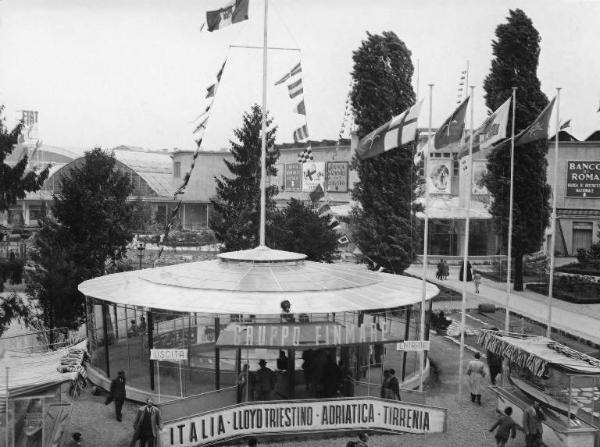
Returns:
<point x="250" y="305"/>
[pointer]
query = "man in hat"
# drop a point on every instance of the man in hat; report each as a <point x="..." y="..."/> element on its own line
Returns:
<point x="147" y="425"/>
<point x="118" y="393"/>
<point x="265" y="381"/>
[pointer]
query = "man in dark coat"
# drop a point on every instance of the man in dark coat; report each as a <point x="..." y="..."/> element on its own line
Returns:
<point x="469" y="273"/>
<point x="147" y="425"/>
<point x="265" y="381"/>
<point x="118" y="393"/>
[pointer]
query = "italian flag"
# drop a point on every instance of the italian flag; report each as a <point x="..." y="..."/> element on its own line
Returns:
<point x="230" y="14"/>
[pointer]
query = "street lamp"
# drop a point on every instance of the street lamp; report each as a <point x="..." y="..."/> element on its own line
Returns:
<point x="141" y="246"/>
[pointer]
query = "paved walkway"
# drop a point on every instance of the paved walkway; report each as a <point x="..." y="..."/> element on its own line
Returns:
<point x="581" y="320"/>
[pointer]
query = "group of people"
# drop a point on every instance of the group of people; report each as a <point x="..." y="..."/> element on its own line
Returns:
<point x="442" y="273"/>
<point x="442" y="270"/>
<point x="147" y="422"/>
<point x="324" y="377"/>
<point x="137" y="329"/>
<point x="533" y="417"/>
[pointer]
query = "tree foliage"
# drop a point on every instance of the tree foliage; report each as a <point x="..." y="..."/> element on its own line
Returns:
<point x="236" y="206"/>
<point x="516" y="51"/>
<point x="386" y="229"/>
<point x="300" y="229"/>
<point x="90" y="227"/>
<point x="15" y="181"/>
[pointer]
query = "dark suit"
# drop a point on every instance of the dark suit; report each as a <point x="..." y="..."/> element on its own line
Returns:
<point x="148" y="436"/>
<point x="118" y="393"/>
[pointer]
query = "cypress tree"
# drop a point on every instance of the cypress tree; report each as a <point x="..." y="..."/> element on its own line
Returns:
<point x="236" y="206"/>
<point x="385" y="227"/>
<point x="516" y="52"/>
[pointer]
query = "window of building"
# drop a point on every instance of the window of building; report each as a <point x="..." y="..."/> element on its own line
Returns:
<point x="36" y="212"/>
<point x="582" y="236"/>
<point x="177" y="169"/>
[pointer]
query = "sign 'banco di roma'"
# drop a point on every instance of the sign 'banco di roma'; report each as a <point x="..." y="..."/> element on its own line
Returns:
<point x="583" y="179"/>
<point x="293" y="417"/>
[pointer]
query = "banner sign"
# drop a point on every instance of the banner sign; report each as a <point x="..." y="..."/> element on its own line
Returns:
<point x="439" y="175"/>
<point x="313" y="174"/>
<point x="305" y="335"/>
<point x="293" y="177"/>
<point x="168" y="354"/>
<point x="337" y="176"/>
<point x="300" y="416"/>
<point x="479" y="171"/>
<point x="583" y="179"/>
<point x="413" y="345"/>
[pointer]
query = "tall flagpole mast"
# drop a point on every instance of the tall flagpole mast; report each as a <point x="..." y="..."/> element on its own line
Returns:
<point x="553" y="230"/>
<point x="263" y="149"/>
<point x="425" y="234"/>
<point x="510" y="212"/>
<point x="463" y="307"/>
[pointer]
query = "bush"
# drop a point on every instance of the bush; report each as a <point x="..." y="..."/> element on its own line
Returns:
<point x="11" y="270"/>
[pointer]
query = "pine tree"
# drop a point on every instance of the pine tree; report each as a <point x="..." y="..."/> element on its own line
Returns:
<point x="300" y="229"/>
<point x="386" y="229"/>
<point x="15" y="182"/>
<point x="516" y="52"/>
<point x="236" y="207"/>
<point x="89" y="229"/>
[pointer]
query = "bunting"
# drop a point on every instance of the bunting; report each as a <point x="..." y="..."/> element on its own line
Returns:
<point x="301" y="133"/>
<point x="347" y="113"/>
<point x="299" y="108"/>
<point x="295" y="88"/>
<point x="297" y="70"/>
<point x="306" y="155"/>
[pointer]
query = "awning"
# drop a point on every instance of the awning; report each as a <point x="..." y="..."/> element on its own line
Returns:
<point x="536" y="353"/>
<point x="449" y="208"/>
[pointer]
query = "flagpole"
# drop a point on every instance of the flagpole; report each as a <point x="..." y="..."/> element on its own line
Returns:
<point x="553" y="230"/>
<point x="425" y="243"/>
<point x="263" y="149"/>
<point x="463" y="307"/>
<point x="510" y="212"/>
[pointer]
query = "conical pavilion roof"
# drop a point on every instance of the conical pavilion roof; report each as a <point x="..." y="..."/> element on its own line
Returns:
<point x="255" y="282"/>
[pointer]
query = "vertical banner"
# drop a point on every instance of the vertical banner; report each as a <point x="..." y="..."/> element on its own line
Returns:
<point x="464" y="181"/>
<point x="313" y="174"/>
<point x="479" y="171"/>
<point x="337" y="176"/>
<point x="439" y="177"/>
<point x="293" y="177"/>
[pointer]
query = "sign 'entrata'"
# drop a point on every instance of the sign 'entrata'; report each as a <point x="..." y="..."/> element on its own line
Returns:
<point x="262" y="418"/>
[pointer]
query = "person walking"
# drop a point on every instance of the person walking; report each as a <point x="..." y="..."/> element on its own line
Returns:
<point x="146" y="425"/>
<point x="118" y="393"/>
<point x="445" y="269"/>
<point x="265" y="381"/>
<point x="394" y="384"/>
<point x="476" y="373"/>
<point x="469" y="274"/>
<point x="440" y="269"/>
<point x="506" y="426"/>
<point x="532" y="425"/>
<point x="494" y="362"/>
<point x="476" y="280"/>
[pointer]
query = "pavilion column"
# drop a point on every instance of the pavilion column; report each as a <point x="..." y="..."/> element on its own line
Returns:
<point x="406" y="335"/>
<point x="291" y="373"/>
<point x="217" y="355"/>
<point x="105" y="334"/>
<point x="150" y="330"/>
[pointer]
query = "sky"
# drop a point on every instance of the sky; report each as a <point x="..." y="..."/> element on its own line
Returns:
<point x="135" y="72"/>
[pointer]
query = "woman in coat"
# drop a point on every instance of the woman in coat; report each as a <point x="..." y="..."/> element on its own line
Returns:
<point x="476" y="373"/>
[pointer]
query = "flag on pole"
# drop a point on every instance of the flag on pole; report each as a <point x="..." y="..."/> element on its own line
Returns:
<point x="301" y="133"/>
<point x="300" y="108"/>
<point x="228" y="15"/>
<point x="538" y="130"/>
<point x="397" y="132"/>
<point x="452" y="130"/>
<point x="565" y="125"/>
<point x="491" y="131"/>
<point x="295" y="88"/>
<point x="210" y="91"/>
<point x="293" y="72"/>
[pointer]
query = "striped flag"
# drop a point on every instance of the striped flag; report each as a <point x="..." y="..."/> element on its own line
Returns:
<point x="301" y="133"/>
<point x="295" y="88"/>
<point x="230" y="14"/>
<point x="300" y="108"/>
<point x="397" y="132"/>
<point x="293" y="72"/>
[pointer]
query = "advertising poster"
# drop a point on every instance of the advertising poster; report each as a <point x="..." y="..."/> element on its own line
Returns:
<point x="293" y="177"/>
<point x="479" y="171"/>
<point x="583" y="179"/>
<point x="302" y="416"/>
<point x="337" y="176"/>
<point x="439" y="177"/>
<point x="313" y="174"/>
